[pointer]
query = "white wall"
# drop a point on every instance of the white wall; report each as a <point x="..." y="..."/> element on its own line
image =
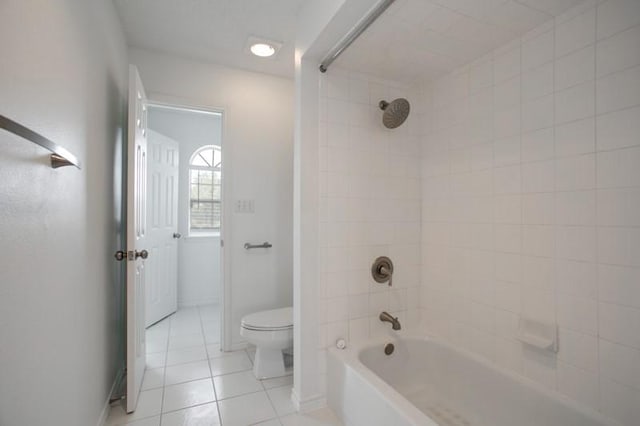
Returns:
<point x="199" y="274"/>
<point x="369" y="207"/>
<point x="258" y="139"/>
<point x="531" y="204"/>
<point x="62" y="73"/>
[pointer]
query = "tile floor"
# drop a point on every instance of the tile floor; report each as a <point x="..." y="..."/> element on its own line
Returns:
<point x="189" y="382"/>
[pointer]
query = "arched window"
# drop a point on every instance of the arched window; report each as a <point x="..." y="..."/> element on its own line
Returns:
<point x="205" y="190"/>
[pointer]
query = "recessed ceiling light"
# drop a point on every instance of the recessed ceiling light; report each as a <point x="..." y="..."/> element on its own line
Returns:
<point x="262" y="47"/>
<point x="263" y="50"/>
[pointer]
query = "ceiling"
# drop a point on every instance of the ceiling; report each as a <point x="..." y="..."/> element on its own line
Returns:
<point x="412" y="39"/>
<point x="213" y="30"/>
<point x="426" y="38"/>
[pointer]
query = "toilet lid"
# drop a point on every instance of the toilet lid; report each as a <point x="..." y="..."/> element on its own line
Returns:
<point x="275" y="319"/>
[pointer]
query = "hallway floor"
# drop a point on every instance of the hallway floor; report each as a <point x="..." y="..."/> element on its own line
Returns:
<point x="189" y="382"/>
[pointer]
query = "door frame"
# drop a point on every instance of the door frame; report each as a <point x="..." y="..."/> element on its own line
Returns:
<point x="165" y="101"/>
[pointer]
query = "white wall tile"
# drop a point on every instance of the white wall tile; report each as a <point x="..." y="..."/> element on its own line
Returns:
<point x="538" y="51"/>
<point x="576" y="243"/>
<point x="538" y="176"/>
<point x="619" y="207"/>
<point x="576" y="278"/>
<point x="576" y="208"/>
<point x="506" y="151"/>
<point x="577" y="137"/>
<point x="578" y="314"/>
<point x="538" y="145"/>
<point x="619" y="168"/>
<point x="538" y="240"/>
<point x="575" y="68"/>
<point x="618" y="90"/>
<point x="538" y="113"/>
<point x="619" y="324"/>
<point x="538" y="209"/>
<point x="481" y="74"/>
<point x="506" y="65"/>
<point x="531" y="203"/>
<point x="617" y="15"/>
<point x="507" y="180"/>
<point x="620" y="363"/>
<point x="537" y="82"/>
<point x="619" y="401"/>
<point x="576" y="172"/>
<point x="506" y="93"/>
<point x="578" y="349"/>
<point x="619" y="129"/>
<point x="618" y="52"/>
<point x="575" y="103"/>
<point x="576" y="33"/>
<point x="619" y="246"/>
<point x="578" y="384"/>
<point x="506" y="122"/>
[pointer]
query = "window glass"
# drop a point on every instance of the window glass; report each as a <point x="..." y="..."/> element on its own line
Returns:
<point x="205" y="190"/>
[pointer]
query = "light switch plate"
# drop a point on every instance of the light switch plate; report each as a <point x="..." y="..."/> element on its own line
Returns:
<point x="245" y="206"/>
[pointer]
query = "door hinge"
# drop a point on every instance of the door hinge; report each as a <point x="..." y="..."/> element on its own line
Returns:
<point x="221" y="243"/>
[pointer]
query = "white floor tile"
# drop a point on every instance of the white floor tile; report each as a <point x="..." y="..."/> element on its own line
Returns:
<point x="186" y="341"/>
<point x="281" y="400"/>
<point x="156" y="360"/>
<point x="322" y="417"/>
<point x="155" y="345"/>
<point x="184" y="356"/>
<point x="186" y="372"/>
<point x="231" y="363"/>
<point x="272" y="422"/>
<point x="202" y="415"/>
<point x="235" y="412"/>
<point x="187" y="395"/>
<point x="276" y="382"/>
<point x="153" y="378"/>
<point x="151" y="421"/>
<point x="214" y="351"/>
<point x="236" y="384"/>
<point x="149" y="405"/>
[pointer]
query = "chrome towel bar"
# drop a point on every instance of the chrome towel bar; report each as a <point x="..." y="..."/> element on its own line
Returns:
<point x="60" y="157"/>
<point x="250" y="246"/>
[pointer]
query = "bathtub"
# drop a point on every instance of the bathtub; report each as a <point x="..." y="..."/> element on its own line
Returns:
<point x="428" y="382"/>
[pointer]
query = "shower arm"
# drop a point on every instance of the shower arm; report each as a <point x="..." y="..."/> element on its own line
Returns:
<point x="352" y="35"/>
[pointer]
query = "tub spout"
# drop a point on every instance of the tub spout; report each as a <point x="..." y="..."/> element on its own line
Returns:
<point x="386" y="317"/>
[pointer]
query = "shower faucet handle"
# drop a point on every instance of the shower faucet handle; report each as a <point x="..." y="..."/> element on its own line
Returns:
<point x="382" y="270"/>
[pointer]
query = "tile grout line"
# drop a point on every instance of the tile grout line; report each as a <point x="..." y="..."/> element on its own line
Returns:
<point x="206" y="350"/>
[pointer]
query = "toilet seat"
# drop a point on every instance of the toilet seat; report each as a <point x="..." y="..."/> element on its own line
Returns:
<point x="272" y="320"/>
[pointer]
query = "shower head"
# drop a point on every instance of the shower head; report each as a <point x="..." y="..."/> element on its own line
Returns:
<point x="395" y="112"/>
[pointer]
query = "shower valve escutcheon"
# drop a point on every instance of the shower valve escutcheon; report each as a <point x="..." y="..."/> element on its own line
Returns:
<point x="382" y="270"/>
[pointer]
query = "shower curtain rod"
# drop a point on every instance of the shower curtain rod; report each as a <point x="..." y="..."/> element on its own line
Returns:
<point x="354" y="34"/>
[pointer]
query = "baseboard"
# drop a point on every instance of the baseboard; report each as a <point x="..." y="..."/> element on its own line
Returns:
<point x="195" y="303"/>
<point x="310" y="404"/>
<point x="107" y="406"/>
<point x="239" y="346"/>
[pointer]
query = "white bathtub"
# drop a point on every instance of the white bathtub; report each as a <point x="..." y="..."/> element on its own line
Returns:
<point x="427" y="382"/>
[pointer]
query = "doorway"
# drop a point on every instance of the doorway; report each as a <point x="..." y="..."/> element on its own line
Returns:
<point x="185" y="225"/>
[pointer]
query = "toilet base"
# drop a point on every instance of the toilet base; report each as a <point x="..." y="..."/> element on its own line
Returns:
<point x="268" y="363"/>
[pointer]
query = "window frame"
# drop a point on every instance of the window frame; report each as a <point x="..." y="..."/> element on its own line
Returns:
<point x="205" y="232"/>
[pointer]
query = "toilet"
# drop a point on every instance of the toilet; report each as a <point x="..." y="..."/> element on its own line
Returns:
<point x="271" y="331"/>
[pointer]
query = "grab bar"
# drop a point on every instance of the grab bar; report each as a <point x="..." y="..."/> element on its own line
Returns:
<point x="250" y="246"/>
<point x="60" y="157"/>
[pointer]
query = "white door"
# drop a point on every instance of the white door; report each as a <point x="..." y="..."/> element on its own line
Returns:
<point x="136" y="236"/>
<point x="162" y="221"/>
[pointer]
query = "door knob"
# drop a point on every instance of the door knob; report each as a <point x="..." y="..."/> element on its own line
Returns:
<point x="177" y="235"/>
<point x="120" y="255"/>
<point x="142" y="253"/>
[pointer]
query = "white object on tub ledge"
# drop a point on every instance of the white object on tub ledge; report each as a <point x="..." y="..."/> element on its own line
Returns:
<point x="539" y="334"/>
